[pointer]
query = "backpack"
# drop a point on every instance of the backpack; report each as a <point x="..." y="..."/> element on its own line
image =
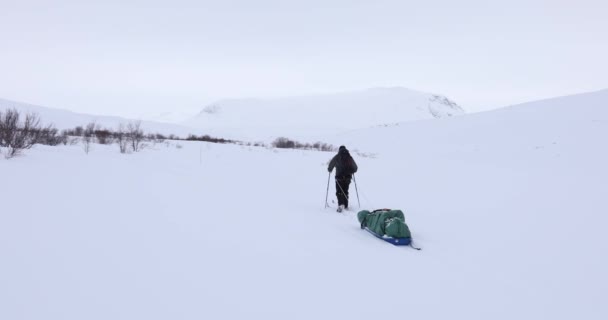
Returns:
<point x="348" y="164"/>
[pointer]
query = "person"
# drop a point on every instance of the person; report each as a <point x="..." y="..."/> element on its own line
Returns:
<point x="345" y="168"/>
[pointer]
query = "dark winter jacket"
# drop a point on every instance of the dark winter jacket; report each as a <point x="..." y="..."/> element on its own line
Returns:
<point x="343" y="162"/>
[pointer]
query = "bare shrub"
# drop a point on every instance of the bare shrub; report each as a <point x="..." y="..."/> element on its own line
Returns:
<point x="155" y="138"/>
<point x="103" y="136"/>
<point x="78" y="131"/>
<point x="160" y="138"/>
<point x="283" y="143"/>
<point x="208" y="138"/>
<point x="327" y="147"/>
<point x="150" y="137"/>
<point x="65" y="137"/>
<point x="15" y="135"/>
<point x="121" y="137"/>
<point x="135" y="135"/>
<point x="87" y="136"/>
<point x="50" y="136"/>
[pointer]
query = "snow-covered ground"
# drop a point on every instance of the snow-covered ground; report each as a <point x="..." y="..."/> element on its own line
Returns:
<point x="318" y="115"/>
<point x="508" y="206"/>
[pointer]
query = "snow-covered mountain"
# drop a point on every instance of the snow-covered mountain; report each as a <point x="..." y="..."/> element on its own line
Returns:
<point x="320" y="114"/>
<point x="64" y="119"/>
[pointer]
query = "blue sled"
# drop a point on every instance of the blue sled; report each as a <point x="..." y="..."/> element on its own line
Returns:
<point x="395" y="241"/>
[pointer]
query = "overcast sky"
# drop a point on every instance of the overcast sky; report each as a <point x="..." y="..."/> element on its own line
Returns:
<point x="135" y="58"/>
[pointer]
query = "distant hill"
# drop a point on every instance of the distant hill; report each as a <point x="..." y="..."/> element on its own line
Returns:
<point x="537" y="123"/>
<point x="320" y="114"/>
<point x="64" y="119"/>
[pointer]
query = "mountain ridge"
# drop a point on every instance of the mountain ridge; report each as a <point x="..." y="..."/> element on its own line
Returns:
<point x="67" y="119"/>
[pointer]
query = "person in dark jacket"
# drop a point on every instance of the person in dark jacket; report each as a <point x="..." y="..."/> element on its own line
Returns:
<point x="345" y="168"/>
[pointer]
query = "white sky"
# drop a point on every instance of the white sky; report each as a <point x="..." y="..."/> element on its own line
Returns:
<point x="135" y="58"/>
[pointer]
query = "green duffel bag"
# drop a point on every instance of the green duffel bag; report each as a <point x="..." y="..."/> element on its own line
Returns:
<point x="385" y="222"/>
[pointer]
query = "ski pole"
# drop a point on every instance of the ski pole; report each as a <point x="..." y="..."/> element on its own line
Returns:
<point x="344" y="193"/>
<point x="356" y="190"/>
<point x="327" y="192"/>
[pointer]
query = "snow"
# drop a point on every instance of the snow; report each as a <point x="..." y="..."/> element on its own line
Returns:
<point x="64" y="119"/>
<point x="508" y="206"/>
<point x="319" y="115"/>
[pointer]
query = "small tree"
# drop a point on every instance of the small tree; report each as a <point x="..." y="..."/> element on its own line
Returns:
<point x="65" y="137"/>
<point x="135" y="135"/>
<point x="88" y="136"/>
<point x="121" y="137"/>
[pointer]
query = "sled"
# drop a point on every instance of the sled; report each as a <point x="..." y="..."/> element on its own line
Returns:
<point x="391" y="240"/>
